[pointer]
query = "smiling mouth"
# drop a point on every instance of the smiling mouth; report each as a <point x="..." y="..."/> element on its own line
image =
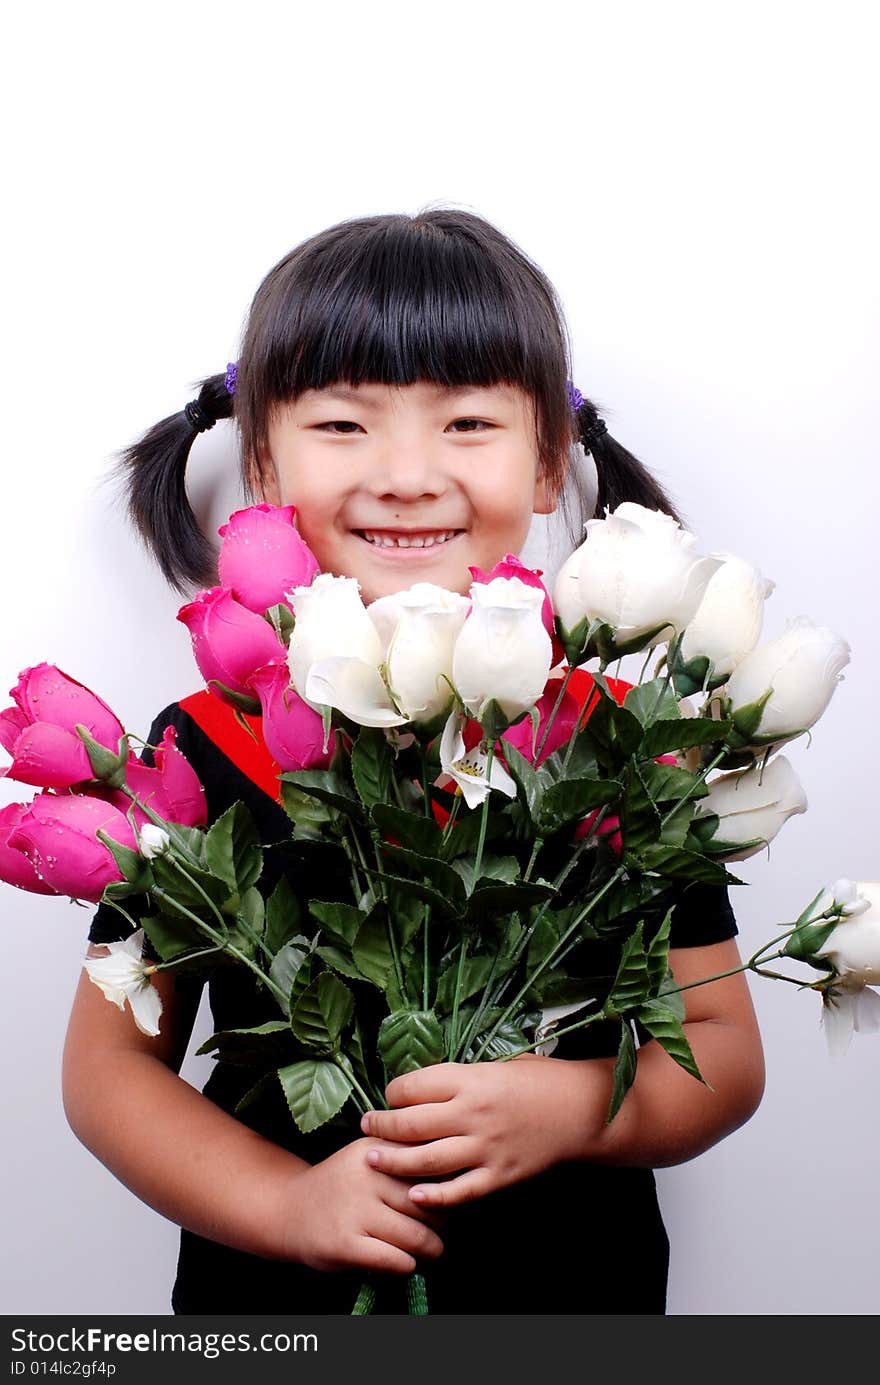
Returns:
<point x="391" y="539"/>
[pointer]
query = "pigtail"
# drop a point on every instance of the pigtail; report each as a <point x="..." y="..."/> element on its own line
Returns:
<point x="153" y="472"/>
<point x="620" y="475"/>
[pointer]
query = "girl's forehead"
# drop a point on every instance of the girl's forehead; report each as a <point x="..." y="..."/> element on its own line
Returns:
<point x="422" y="391"/>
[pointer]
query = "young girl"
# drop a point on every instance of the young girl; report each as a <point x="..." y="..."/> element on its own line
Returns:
<point x="402" y="377"/>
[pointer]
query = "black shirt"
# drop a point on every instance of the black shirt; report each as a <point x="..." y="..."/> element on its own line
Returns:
<point x="577" y="1238"/>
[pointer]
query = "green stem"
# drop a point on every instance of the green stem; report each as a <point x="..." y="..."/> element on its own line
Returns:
<point x="581" y="721"/>
<point x="481" y="841"/>
<point x="552" y="717"/>
<point x="454" y="1020"/>
<point x="389" y="921"/>
<point x="453" y="814"/>
<point x="222" y="943"/>
<point x="572" y="928"/>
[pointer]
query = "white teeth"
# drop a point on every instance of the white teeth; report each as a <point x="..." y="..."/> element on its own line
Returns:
<point x="408" y="541"/>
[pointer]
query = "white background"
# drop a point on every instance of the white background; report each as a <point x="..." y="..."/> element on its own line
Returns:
<point x="699" y="182"/>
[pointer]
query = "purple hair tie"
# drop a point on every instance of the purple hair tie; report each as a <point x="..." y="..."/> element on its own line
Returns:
<point x="575" y="398"/>
<point x="231" y="376"/>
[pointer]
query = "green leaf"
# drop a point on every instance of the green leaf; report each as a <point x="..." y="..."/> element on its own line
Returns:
<point x="135" y="868"/>
<point x="255" y="1092"/>
<point x="410" y="1039"/>
<point x="339" y="922"/>
<point x="322" y="1012"/>
<point x="666" y="736"/>
<point x="371" y="766"/>
<point x="489" y="901"/>
<point x="288" y="961"/>
<point x="624" y="1070"/>
<point x="267" y="1043"/>
<point x="340" y="961"/>
<point x="571" y="799"/>
<point x="329" y="786"/>
<point x="315" y="1091"/>
<point x="652" y="702"/>
<point x="171" y="938"/>
<point x="371" y="949"/>
<point x="232" y="849"/>
<point x="668" y="783"/>
<point x="664" y="1025"/>
<point x="252" y="908"/>
<point x="639" y="815"/>
<point x="632" y="983"/>
<point x="311" y="818"/>
<point x="412" y="830"/>
<point x="283" y="915"/>
<point x="682" y="864"/>
<point x="441" y="877"/>
<point x="530" y="788"/>
<point x="658" y="954"/>
<point x="168" y="878"/>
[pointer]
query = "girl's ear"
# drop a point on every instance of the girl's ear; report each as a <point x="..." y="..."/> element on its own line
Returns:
<point x="546" y="494"/>
<point x="267" y="482"/>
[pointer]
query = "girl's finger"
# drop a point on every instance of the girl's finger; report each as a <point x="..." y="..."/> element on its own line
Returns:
<point x="453" y="1191"/>
<point x="423" y="1161"/>
<point x="406" y="1233"/>
<point x="414" y="1124"/>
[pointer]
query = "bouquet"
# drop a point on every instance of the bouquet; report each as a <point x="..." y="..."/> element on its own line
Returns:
<point x="501" y="834"/>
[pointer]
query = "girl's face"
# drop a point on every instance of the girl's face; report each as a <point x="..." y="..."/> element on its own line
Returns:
<point x="401" y="484"/>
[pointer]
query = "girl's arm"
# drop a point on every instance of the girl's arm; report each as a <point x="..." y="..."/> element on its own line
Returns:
<point x="503" y="1122"/>
<point x="204" y="1170"/>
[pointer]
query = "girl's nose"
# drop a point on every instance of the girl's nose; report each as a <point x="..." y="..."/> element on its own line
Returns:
<point x="407" y="474"/>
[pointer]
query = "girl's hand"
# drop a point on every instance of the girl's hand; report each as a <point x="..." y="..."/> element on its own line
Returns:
<point x="492" y="1123"/>
<point x="347" y="1214"/>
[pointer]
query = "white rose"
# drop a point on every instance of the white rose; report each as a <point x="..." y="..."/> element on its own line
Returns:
<point x="154" y="841"/>
<point x="854" y="945"/>
<point x="122" y="977"/>
<point x="636" y="571"/>
<point x="802" y="667"/>
<point x="503" y="652"/>
<point x="752" y="806"/>
<point x="420" y="646"/>
<point x="335" y="650"/>
<point x="727" y="622"/>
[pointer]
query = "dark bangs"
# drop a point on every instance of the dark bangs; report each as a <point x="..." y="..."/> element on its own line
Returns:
<point x="442" y="296"/>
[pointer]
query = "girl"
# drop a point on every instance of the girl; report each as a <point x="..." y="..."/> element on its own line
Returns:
<point x="402" y="377"/>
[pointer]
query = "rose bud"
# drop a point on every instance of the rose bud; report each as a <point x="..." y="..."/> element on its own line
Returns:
<point x="39" y="732"/>
<point x="58" y="836"/>
<point x="229" y="641"/>
<point x="262" y="556"/>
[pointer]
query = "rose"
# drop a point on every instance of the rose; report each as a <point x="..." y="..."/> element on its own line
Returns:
<point x="154" y="841"/>
<point x="421" y="626"/>
<point x="262" y="556"/>
<point x="15" y="868"/>
<point x="57" y="834"/>
<point x="229" y="641"/>
<point x="503" y="652"/>
<point x="743" y="811"/>
<point x="853" y="948"/>
<point x="39" y="731"/>
<point x="293" y="731"/>
<point x="636" y="572"/>
<point x="783" y="686"/>
<point x="727" y="622"/>
<point x="171" y="788"/>
<point x="124" y="976"/>
<point x="510" y="566"/>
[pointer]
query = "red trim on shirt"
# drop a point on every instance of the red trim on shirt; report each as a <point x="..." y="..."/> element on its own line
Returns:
<point x="217" y="720"/>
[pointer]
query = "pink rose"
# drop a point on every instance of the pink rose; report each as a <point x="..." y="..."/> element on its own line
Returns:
<point x="229" y="641"/>
<point x="39" y="730"/>
<point x="262" y="556"/>
<point x="171" y="789"/>
<point x="292" y="730"/>
<point x="561" y="731"/>
<point x="510" y="566"/>
<point x="15" y="868"/>
<point x="57" y="836"/>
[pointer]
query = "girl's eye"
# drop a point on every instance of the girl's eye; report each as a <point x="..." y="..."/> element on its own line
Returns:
<point x="348" y="424"/>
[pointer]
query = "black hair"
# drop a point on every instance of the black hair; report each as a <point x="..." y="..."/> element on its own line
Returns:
<point x="442" y="296"/>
